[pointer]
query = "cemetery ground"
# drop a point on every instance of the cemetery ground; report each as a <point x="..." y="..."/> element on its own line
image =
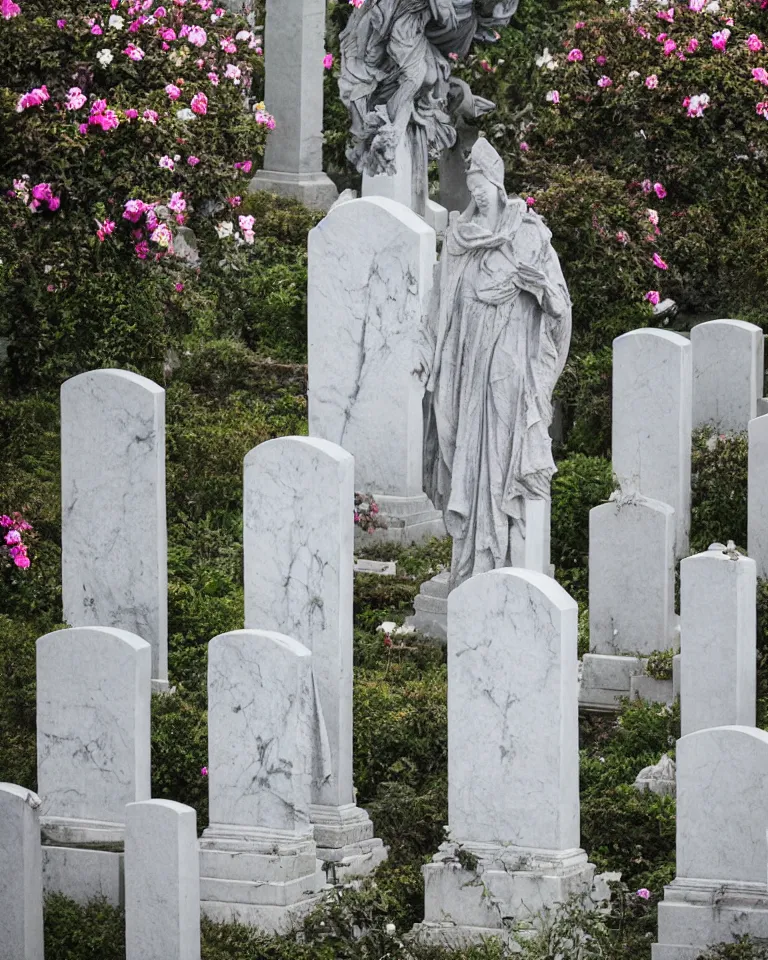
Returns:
<point x="221" y="401"/>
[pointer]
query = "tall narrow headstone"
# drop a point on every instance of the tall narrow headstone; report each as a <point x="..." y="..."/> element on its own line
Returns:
<point x="513" y="785"/>
<point x="298" y="557"/>
<point x="719" y="893"/>
<point x="728" y="373"/>
<point x="718" y="674"/>
<point x="113" y="530"/>
<point x="371" y="265"/>
<point x="631" y="594"/>
<point x="757" y="496"/>
<point x="652" y="389"/>
<point x="93" y="754"/>
<point x="258" y="860"/>
<point x="294" y="47"/>
<point x="21" y="875"/>
<point x="162" y="882"/>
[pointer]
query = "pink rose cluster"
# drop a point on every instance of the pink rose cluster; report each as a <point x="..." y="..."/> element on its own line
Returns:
<point x="9" y="9"/>
<point x="16" y="526"/>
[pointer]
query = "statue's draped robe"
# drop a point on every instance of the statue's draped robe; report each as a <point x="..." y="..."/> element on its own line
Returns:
<point x="500" y="341"/>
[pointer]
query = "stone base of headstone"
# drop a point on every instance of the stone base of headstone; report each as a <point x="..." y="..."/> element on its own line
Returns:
<point x="160" y="687"/>
<point x="259" y="878"/>
<point x="697" y="913"/>
<point x="605" y="680"/>
<point x="408" y="519"/>
<point x="315" y="190"/>
<point x="83" y="859"/>
<point x="345" y="841"/>
<point x="437" y="217"/>
<point x="479" y="890"/>
<point x="431" y="608"/>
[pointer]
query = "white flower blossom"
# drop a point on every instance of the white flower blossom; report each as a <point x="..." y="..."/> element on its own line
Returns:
<point x="105" y="57"/>
<point x="225" y="229"/>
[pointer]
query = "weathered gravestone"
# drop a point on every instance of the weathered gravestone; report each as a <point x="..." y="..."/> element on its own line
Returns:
<point x="21" y="875"/>
<point x="757" y="497"/>
<point x="371" y="265"/>
<point x="651" y="446"/>
<point x="162" y="882"/>
<point x="298" y="556"/>
<point x="631" y="595"/>
<point x="93" y="754"/>
<point x="719" y="893"/>
<point x="294" y="47"/>
<point x="513" y="785"/>
<point x="718" y="674"/>
<point x="258" y="857"/>
<point x="113" y="530"/>
<point x="728" y="374"/>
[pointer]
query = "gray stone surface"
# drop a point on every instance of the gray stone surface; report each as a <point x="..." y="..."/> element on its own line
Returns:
<point x="162" y="882"/>
<point x="728" y="373"/>
<point x="294" y="47"/>
<point x="606" y="679"/>
<point x="298" y="531"/>
<point x="652" y="397"/>
<point x="93" y="753"/>
<point x="496" y="341"/>
<point x="113" y="528"/>
<point x="21" y="876"/>
<point x="371" y="264"/>
<point x="513" y="792"/>
<point x="659" y="778"/>
<point x="718" y="650"/>
<point x="258" y="860"/>
<point x="720" y="890"/>
<point x="631" y="576"/>
<point x="757" y="498"/>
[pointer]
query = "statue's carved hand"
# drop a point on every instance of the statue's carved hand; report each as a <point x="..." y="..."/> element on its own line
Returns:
<point x="421" y="372"/>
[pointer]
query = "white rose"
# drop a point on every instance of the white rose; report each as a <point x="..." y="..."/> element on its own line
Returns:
<point x="105" y="57"/>
<point x="225" y="229"/>
<point x="116" y="22"/>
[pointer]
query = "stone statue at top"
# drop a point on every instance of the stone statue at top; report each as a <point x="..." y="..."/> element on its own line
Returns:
<point x="495" y="344"/>
<point x="396" y="79"/>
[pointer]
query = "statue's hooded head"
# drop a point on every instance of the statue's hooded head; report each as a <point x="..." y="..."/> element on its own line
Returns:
<point x="485" y="162"/>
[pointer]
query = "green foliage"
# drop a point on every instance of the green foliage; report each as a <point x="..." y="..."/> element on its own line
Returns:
<point x="659" y="664"/>
<point x="718" y="489"/>
<point x="93" y="932"/>
<point x="745" y="948"/>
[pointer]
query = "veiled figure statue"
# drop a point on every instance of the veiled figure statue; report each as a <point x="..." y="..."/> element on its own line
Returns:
<point x="496" y="345"/>
<point x="396" y="78"/>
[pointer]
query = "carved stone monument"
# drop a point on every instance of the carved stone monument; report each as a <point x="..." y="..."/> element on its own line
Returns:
<point x="396" y="82"/>
<point x="495" y="344"/>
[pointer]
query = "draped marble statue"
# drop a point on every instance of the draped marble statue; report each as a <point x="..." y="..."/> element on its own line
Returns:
<point x="396" y="78"/>
<point x="495" y="346"/>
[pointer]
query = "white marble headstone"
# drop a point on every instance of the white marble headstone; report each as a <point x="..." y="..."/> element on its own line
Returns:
<point x="513" y="763"/>
<point x="370" y="277"/>
<point x="21" y="875"/>
<point x="652" y="398"/>
<point x="718" y="673"/>
<point x="757" y="497"/>
<point x="113" y="526"/>
<point x="162" y="882"/>
<point x="728" y="373"/>
<point x="93" y="723"/>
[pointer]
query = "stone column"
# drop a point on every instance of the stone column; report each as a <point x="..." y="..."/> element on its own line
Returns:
<point x="757" y="496"/>
<point x="719" y="893"/>
<point x="652" y="389"/>
<point x="294" y="47"/>
<point x="371" y="264"/>
<point x="93" y="754"/>
<point x="114" y="555"/>
<point x="718" y="619"/>
<point x="631" y="595"/>
<point x="21" y="875"/>
<point x="728" y="374"/>
<point x="298" y="555"/>
<point x="258" y="858"/>
<point x="513" y="785"/>
<point x="162" y="882"/>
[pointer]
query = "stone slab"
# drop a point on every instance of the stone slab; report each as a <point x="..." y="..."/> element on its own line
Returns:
<point x="728" y="374"/>
<point x="84" y="875"/>
<point x="21" y="875"/>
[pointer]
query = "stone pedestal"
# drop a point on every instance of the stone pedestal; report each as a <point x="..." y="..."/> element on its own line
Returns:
<point x="431" y="607"/>
<point x="606" y="679"/>
<point x="409" y="520"/>
<point x="268" y="879"/>
<point x="294" y="47"/>
<point x="345" y="841"/>
<point x="83" y="859"/>
<point x="21" y="885"/>
<point x="486" y="884"/>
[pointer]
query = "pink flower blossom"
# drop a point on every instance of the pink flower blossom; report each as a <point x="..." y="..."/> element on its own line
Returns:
<point x="179" y="287"/>
<point x="199" y="103"/>
<point x="696" y="105"/>
<point x="134" y="210"/>
<point x="524" y="147"/>
<point x="35" y="98"/>
<point x="166" y="163"/>
<point x="754" y="43"/>
<point x="669" y="47"/>
<point x="173" y="91"/>
<point x="530" y="201"/>
<point x="762" y="109"/>
<point x="204" y="772"/>
<point x="96" y="30"/>
<point x="720" y="39"/>
<point x="150" y="116"/>
<point x="646" y="186"/>
<point x="642" y="892"/>
<point x="601" y="60"/>
<point x="667" y="15"/>
<point x="622" y="237"/>
<point x="553" y="96"/>
<point x="575" y="55"/>
<point x="214" y="78"/>
<point x="661" y="37"/>
<point x="13" y="536"/>
<point x="133" y="52"/>
<point x="658" y="262"/>
<point x="105" y="229"/>
<point x="228" y="45"/>
<point x="659" y="190"/>
<point x="605" y="82"/>
<point x="652" y="81"/>
<point x="141" y="249"/>
<point x="75" y="99"/>
<point x="131" y="114"/>
<point x="642" y="32"/>
<point x="22" y="562"/>
<point x="579" y="25"/>
<point x="197" y="36"/>
<point x="760" y="75"/>
<point x="328" y="61"/>
<point x="61" y="24"/>
<point x="9" y="9"/>
<point x="693" y="45"/>
<point x="193" y="161"/>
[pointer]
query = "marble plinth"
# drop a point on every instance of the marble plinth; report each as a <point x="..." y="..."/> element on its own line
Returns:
<point x="431" y="608"/>
<point x="315" y="190"/>
<point x="409" y="520"/>
<point x="605" y="680"/>
<point x="473" y="891"/>
<point x="345" y="841"/>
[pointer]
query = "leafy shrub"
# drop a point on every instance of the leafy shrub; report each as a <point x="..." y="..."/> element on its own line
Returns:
<point x="93" y="932"/>
<point x="718" y="489"/>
